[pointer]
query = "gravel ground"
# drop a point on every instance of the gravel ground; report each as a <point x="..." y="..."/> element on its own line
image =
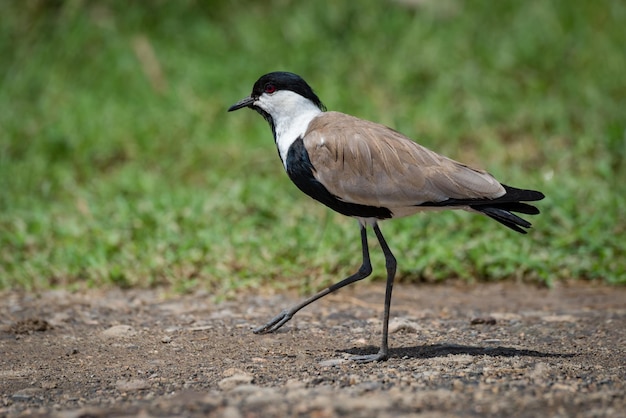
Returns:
<point x="485" y="350"/>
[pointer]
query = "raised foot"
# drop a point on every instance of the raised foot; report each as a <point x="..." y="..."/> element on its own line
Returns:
<point x="275" y="323"/>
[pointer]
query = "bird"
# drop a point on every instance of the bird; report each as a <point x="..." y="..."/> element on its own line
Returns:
<point x="370" y="172"/>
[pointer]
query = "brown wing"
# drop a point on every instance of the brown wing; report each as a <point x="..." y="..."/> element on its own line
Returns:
<point x="370" y="164"/>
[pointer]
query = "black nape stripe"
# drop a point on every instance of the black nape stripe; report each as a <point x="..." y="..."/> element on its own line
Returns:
<point x="300" y="171"/>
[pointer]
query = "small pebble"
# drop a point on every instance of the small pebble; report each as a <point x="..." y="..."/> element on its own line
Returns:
<point x="117" y="331"/>
<point x="26" y="394"/>
<point x="485" y="320"/>
<point x="403" y="324"/>
<point x="235" y="380"/>
<point x="131" y="385"/>
<point x="332" y="362"/>
<point x="559" y="318"/>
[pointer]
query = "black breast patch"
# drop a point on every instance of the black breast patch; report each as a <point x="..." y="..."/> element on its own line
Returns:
<point x="300" y="171"/>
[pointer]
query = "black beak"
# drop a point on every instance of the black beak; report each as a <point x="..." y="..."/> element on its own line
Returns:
<point x="245" y="102"/>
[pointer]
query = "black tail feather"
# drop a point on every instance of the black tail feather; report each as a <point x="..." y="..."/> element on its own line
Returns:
<point x="517" y="207"/>
<point x="513" y="194"/>
<point x="505" y="217"/>
<point x="501" y="208"/>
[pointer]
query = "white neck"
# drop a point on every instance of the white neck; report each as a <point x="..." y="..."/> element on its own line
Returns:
<point x="291" y="114"/>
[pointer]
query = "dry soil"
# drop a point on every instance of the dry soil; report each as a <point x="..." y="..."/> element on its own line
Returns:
<point x="457" y="350"/>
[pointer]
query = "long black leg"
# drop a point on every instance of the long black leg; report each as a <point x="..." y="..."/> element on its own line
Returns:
<point x="364" y="271"/>
<point x="390" y="263"/>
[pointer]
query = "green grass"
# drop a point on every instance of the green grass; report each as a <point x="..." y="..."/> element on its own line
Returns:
<point x="120" y="169"/>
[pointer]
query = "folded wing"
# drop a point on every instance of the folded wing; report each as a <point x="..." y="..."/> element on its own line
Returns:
<point x="370" y="164"/>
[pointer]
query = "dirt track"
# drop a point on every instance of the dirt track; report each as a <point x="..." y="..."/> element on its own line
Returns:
<point x="485" y="350"/>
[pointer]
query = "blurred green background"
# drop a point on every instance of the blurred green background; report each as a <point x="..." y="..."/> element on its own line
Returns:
<point x="120" y="166"/>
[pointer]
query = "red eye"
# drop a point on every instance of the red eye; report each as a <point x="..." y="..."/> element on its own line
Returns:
<point x="270" y="88"/>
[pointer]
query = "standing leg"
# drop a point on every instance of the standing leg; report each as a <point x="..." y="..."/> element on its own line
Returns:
<point x="390" y="263"/>
<point x="364" y="271"/>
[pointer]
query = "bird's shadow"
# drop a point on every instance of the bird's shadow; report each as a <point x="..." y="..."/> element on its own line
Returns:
<point x="443" y="350"/>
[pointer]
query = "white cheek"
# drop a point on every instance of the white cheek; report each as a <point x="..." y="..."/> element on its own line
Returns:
<point x="291" y="113"/>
